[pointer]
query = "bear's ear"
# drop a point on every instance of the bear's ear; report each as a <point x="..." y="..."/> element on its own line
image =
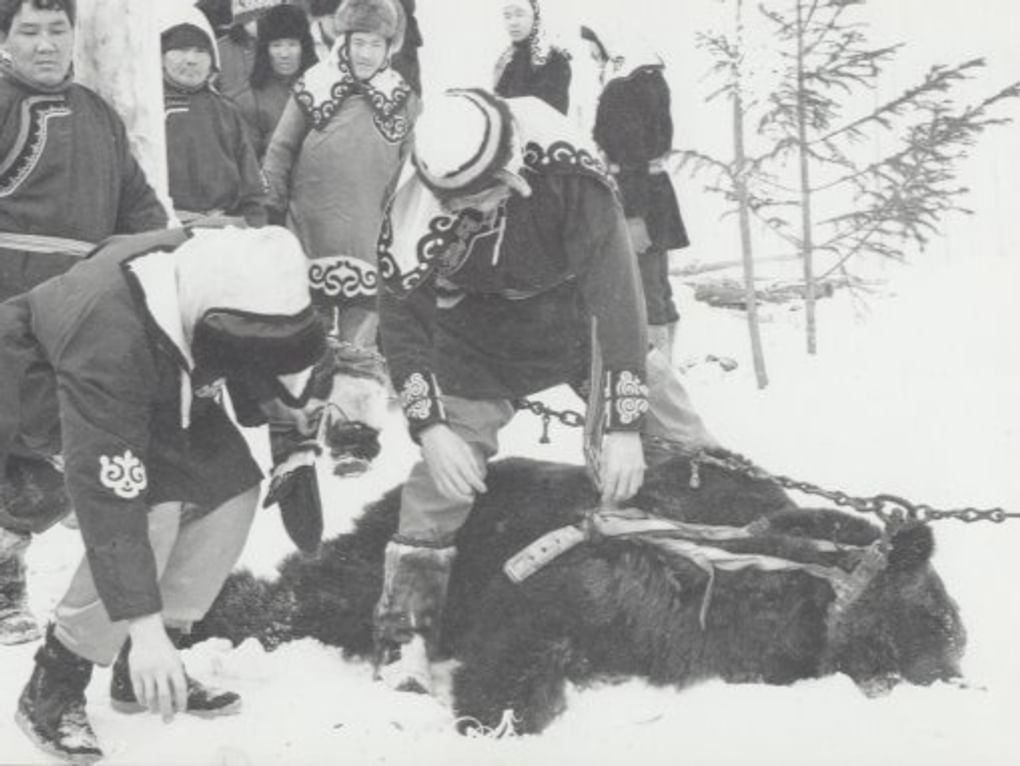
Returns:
<point x="912" y="547"/>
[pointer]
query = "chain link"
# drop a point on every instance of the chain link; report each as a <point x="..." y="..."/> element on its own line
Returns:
<point x="891" y="509"/>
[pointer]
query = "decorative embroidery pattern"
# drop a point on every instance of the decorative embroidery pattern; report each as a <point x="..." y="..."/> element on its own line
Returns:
<point x="36" y="112"/>
<point x="446" y="246"/>
<point x="388" y="108"/>
<point x="564" y="154"/>
<point x="626" y="399"/>
<point x="419" y="397"/>
<point x="123" y="474"/>
<point x="343" y="278"/>
<point x="175" y="103"/>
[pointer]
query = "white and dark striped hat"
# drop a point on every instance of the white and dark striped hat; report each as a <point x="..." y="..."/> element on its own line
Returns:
<point x="465" y="142"/>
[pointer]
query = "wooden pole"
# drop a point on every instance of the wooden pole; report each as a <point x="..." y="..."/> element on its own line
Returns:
<point x="117" y="54"/>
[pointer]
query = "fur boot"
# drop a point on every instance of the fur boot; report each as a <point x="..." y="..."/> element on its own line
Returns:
<point x="17" y="624"/>
<point x="51" y="709"/>
<point x="409" y="613"/>
<point x="203" y="701"/>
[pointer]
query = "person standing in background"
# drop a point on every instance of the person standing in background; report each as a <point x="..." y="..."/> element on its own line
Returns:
<point x="66" y="169"/>
<point x="236" y="49"/>
<point x="531" y="66"/>
<point x="634" y="130"/>
<point x="212" y="166"/>
<point x="405" y="60"/>
<point x="284" y="50"/>
<point x="322" y="20"/>
<point x="335" y="156"/>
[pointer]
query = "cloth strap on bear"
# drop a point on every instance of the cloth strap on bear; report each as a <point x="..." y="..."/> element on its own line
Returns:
<point x="692" y="542"/>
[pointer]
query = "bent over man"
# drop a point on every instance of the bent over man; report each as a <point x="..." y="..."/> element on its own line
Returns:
<point x="119" y="366"/>
<point x="501" y="245"/>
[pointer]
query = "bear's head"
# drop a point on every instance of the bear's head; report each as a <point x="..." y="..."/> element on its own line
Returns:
<point x="904" y="626"/>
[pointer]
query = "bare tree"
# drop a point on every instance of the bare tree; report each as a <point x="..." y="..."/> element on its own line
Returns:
<point x="817" y="182"/>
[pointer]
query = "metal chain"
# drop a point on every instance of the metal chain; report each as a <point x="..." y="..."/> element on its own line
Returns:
<point x="891" y="509"/>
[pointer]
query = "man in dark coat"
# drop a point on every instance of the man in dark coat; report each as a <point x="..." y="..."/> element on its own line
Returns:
<point x="634" y="130"/>
<point x="118" y="366"/>
<point x="502" y="244"/>
<point x="67" y="176"/>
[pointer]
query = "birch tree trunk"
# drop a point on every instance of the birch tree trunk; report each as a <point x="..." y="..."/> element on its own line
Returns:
<point x="744" y="206"/>
<point x="806" y="224"/>
<point x="117" y="54"/>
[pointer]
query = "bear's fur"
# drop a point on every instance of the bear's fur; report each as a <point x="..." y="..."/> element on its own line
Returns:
<point x="622" y="607"/>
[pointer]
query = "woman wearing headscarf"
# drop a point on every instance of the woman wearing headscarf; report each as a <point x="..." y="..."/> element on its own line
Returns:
<point x="531" y="66"/>
<point x="335" y="155"/>
<point x="634" y="129"/>
<point x="212" y="167"/>
<point x="284" y="50"/>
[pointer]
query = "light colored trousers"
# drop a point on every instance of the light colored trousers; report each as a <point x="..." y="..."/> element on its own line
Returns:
<point x="429" y="516"/>
<point x="194" y="554"/>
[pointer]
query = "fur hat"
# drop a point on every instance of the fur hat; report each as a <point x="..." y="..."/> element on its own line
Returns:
<point x="248" y="291"/>
<point x="465" y="142"/>
<point x="382" y="17"/>
<point x="284" y="22"/>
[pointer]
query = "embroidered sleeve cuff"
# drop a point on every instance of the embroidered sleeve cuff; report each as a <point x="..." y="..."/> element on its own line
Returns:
<point x="419" y="396"/>
<point x="626" y="396"/>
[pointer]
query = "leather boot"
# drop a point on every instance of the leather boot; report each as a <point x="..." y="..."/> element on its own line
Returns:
<point x="409" y="613"/>
<point x="51" y="709"/>
<point x="17" y="624"/>
<point x="203" y="701"/>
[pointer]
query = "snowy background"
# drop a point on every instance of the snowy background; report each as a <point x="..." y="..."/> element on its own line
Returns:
<point x="914" y="394"/>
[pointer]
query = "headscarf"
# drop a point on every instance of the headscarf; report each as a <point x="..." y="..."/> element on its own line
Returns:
<point x="538" y="44"/>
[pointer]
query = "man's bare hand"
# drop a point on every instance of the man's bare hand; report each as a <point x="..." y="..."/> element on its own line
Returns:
<point x="157" y="673"/>
<point x="622" y="468"/>
<point x="458" y="471"/>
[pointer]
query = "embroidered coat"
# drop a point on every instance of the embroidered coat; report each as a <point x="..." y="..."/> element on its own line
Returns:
<point x="331" y="165"/>
<point x="633" y="127"/>
<point x="211" y="163"/>
<point x="549" y="80"/>
<point x="500" y="307"/>
<point x="129" y="436"/>
<point x="66" y="170"/>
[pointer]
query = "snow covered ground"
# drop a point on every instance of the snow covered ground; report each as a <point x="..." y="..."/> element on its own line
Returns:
<point x="918" y="399"/>
<point x="917" y="396"/>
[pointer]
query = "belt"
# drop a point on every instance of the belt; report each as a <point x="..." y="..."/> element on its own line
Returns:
<point x="38" y="243"/>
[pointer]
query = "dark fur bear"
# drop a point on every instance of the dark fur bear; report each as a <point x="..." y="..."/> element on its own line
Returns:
<point x="622" y="607"/>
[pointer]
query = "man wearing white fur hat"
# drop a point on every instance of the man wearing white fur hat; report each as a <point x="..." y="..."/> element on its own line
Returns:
<point x="119" y="366"/>
<point x="503" y="242"/>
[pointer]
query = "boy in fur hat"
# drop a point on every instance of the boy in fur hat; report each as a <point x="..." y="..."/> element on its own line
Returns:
<point x="335" y="155"/>
<point x="284" y="50"/>
<point x="162" y="481"/>
<point x="211" y="164"/>
<point x="504" y="241"/>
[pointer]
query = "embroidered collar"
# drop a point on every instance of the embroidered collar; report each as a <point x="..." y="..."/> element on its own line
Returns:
<point x="326" y="86"/>
<point x="419" y="236"/>
<point x="537" y="42"/>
